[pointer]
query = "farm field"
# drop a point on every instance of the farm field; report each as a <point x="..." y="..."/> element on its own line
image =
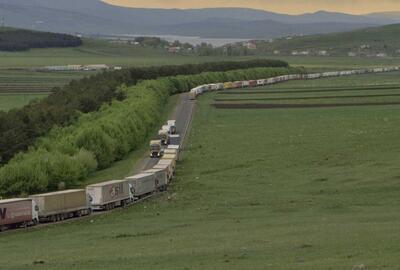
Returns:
<point x="278" y="189"/>
<point x="11" y="101"/>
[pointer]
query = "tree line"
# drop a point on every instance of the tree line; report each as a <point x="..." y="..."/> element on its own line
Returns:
<point x="19" y="128"/>
<point x="22" y="40"/>
<point x="66" y="156"/>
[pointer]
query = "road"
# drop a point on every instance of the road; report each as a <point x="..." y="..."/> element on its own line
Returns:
<point x="183" y="115"/>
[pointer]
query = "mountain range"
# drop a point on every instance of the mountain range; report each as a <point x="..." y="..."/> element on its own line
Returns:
<point x="97" y="17"/>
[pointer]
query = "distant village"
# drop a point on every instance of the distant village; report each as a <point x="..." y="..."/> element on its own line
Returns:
<point x="97" y="67"/>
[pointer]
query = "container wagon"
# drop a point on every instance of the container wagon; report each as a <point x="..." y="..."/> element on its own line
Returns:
<point x="142" y="185"/>
<point x="110" y="194"/>
<point x="60" y="205"/>
<point x="15" y="213"/>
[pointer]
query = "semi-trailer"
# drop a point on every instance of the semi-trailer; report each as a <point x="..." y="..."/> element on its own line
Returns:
<point x="16" y="213"/>
<point x="142" y="184"/>
<point x="60" y="205"/>
<point x="110" y="194"/>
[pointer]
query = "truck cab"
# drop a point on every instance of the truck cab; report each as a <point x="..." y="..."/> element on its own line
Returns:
<point x="155" y="149"/>
<point x="172" y="126"/>
<point x="163" y="135"/>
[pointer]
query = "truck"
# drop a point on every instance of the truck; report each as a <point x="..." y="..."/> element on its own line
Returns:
<point x="16" y="213"/>
<point x="172" y="124"/>
<point x="60" y="205"/>
<point x="167" y="168"/>
<point x="155" y="149"/>
<point x="142" y="185"/>
<point x="109" y="194"/>
<point x="170" y="155"/>
<point x="169" y="162"/>
<point x="161" y="178"/>
<point x="163" y="135"/>
<point x="170" y="151"/>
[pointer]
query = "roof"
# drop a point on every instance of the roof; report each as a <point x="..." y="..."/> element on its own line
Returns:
<point x="15" y="200"/>
<point x="58" y="192"/>
<point x="141" y="175"/>
<point x="107" y="183"/>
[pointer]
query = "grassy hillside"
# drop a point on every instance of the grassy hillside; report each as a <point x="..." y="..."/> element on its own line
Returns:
<point x="285" y="189"/>
<point x="369" y="41"/>
<point x="21" y="40"/>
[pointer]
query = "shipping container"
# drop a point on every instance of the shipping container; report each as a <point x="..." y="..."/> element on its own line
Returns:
<point x="161" y="178"/>
<point x="110" y="194"/>
<point x="18" y="212"/>
<point x="260" y="82"/>
<point x="142" y="184"/>
<point x="61" y="205"/>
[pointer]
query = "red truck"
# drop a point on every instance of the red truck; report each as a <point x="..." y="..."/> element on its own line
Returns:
<point x="18" y="213"/>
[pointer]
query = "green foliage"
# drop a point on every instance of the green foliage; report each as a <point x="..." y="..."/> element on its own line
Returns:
<point x="20" y="128"/>
<point x="21" y="40"/>
<point x="102" y="137"/>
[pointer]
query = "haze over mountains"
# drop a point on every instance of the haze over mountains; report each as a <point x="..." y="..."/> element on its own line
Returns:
<point x="96" y="17"/>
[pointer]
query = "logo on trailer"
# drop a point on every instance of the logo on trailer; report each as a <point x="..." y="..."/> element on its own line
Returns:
<point x="116" y="190"/>
<point x="3" y="212"/>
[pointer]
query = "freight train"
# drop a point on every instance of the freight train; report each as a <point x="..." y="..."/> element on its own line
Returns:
<point x="61" y="205"/>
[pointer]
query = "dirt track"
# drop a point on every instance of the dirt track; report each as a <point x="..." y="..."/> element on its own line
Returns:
<point x="296" y="106"/>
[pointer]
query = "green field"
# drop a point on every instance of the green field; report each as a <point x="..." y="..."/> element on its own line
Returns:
<point x="256" y="189"/>
<point x="11" y="101"/>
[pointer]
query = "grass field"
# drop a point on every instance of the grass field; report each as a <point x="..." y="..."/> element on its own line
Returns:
<point x="256" y="189"/>
<point x="11" y="101"/>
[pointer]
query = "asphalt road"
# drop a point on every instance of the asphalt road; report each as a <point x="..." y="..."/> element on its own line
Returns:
<point x="183" y="115"/>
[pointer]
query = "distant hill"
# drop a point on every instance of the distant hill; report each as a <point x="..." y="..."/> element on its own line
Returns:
<point x="393" y="15"/>
<point x="384" y="40"/>
<point x="96" y="17"/>
<point x="12" y="39"/>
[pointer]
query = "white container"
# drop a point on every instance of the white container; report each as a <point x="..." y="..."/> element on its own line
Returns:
<point x="161" y="178"/>
<point x="110" y="194"/>
<point x="142" y="184"/>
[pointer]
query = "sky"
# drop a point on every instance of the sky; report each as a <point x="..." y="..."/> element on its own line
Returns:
<point x="281" y="6"/>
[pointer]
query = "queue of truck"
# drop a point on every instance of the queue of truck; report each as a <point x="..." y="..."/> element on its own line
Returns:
<point x="104" y="196"/>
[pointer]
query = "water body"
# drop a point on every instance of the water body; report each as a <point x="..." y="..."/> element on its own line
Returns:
<point x="216" y="42"/>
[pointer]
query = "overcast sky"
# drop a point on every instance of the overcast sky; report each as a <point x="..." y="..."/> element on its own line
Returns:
<point x="282" y="6"/>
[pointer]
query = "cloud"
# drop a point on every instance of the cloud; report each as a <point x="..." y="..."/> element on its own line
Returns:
<point x="283" y="6"/>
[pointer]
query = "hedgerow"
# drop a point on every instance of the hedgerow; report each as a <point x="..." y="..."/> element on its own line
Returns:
<point x="68" y="155"/>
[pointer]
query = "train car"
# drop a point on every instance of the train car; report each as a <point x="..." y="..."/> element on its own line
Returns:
<point x="245" y="84"/>
<point x="15" y="213"/>
<point x="172" y="152"/>
<point x="142" y="185"/>
<point x="60" y="205"/>
<point x="161" y="176"/>
<point x="110" y="194"/>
